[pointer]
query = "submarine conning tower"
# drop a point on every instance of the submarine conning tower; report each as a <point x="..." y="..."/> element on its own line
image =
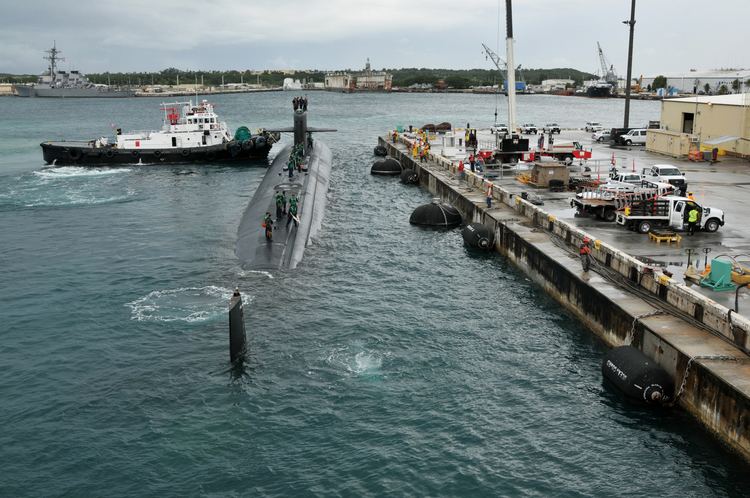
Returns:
<point x="300" y="129"/>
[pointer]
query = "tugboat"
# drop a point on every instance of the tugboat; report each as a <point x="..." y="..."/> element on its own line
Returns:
<point x="190" y="133"/>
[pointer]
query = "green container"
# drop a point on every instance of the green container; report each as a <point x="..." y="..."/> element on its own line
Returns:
<point x="242" y="134"/>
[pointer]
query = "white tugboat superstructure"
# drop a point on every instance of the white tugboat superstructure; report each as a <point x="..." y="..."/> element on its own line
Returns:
<point x="185" y="125"/>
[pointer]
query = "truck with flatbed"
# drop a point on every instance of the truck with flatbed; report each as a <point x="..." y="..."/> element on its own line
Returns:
<point x="606" y="200"/>
<point x="670" y="211"/>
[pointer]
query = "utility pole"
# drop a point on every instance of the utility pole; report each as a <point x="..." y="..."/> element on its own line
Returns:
<point x="631" y="23"/>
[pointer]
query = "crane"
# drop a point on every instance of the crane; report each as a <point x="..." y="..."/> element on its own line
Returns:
<point x="608" y="70"/>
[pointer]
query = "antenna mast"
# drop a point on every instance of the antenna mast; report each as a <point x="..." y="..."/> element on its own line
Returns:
<point x="53" y="59"/>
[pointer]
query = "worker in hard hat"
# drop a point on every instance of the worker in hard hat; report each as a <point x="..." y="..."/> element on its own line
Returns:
<point x="585" y="253"/>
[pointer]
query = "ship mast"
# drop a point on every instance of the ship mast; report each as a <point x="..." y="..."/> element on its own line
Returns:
<point x="511" y="68"/>
<point x="53" y="59"/>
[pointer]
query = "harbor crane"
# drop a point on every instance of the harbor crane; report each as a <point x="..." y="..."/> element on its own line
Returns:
<point x="500" y="64"/>
<point x="608" y="70"/>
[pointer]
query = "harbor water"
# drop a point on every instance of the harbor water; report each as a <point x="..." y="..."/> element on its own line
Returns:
<point x="392" y="362"/>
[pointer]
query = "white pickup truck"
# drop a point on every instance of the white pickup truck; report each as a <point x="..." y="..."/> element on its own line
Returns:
<point x="669" y="211"/>
<point x="666" y="173"/>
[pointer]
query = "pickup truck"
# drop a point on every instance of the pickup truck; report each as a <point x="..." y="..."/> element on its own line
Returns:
<point x="636" y="136"/>
<point x="593" y="126"/>
<point x="604" y="201"/>
<point x="666" y="173"/>
<point x="529" y="128"/>
<point x="500" y="129"/>
<point x="669" y="211"/>
<point x="551" y="128"/>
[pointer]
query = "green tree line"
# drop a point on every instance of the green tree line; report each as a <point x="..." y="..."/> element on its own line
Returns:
<point x="465" y="78"/>
<point x="455" y="78"/>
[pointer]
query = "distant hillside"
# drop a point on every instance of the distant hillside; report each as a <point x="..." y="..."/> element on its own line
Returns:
<point x="17" y="78"/>
<point x="456" y="78"/>
<point x="464" y="78"/>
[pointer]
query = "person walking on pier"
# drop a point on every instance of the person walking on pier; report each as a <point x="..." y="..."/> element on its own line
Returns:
<point x="585" y="253"/>
<point x="489" y="195"/>
<point x="693" y="214"/>
<point x="471" y="162"/>
<point x="460" y="171"/>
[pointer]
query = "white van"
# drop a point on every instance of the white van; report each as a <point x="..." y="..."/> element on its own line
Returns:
<point x="636" y="136"/>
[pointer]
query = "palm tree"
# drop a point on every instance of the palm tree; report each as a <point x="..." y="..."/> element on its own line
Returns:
<point x="736" y="86"/>
<point x="747" y="84"/>
<point x="707" y="88"/>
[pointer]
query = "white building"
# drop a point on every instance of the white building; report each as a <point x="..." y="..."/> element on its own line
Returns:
<point x="363" y="80"/>
<point x="695" y="81"/>
<point x="552" y="85"/>
<point x="291" y="84"/>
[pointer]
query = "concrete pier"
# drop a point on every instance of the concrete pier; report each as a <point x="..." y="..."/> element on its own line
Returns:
<point x="623" y="300"/>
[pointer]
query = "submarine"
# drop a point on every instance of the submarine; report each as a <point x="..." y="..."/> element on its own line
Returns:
<point x="309" y="184"/>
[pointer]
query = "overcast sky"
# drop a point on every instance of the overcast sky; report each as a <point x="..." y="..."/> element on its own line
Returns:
<point x="140" y="35"/>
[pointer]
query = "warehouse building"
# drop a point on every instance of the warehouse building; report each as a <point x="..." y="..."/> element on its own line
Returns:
<point x="359" y="81"/>
<point x="703" y="123"/>
<point x="708" y="82"/>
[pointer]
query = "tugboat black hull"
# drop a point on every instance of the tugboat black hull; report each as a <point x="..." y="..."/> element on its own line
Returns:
<point x="85" y="154"/>
<point x="599" y="92"/>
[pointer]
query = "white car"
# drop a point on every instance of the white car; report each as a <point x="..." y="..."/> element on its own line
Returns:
<point x="601" y="136"/>
<point x="529" y="128"/>
<point x="551" y="128"/>
<point x="499" y="128"/>
<point x="593" y="126"/>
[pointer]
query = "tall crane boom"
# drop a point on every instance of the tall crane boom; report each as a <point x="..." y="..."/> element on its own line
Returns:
<point x="608" y="70"/>
<point x="499" y="63"/>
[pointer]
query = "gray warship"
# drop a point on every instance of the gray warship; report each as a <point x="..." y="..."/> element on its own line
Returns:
<point x="54" y="83"/>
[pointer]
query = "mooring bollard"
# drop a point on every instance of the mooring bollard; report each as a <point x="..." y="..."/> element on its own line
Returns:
<point x="237" y="335"/>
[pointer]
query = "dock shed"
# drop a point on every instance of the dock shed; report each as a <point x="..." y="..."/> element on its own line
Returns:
<point x="703" y="122"/>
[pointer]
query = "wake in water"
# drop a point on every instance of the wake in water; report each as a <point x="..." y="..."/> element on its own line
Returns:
<point x="363" y="362"/>
<point x="186" y="304"/>
<point x="78" y="171"/>
<point x="69" y="186"/>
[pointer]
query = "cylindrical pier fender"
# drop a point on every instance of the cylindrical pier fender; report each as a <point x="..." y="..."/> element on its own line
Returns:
<point x="637" y="377"/>
<point x="387" y="166"/>
<point x="409" y="177"/>
<point x="436" y="214"/>
<point x="380" y="150"/>
<point x="478" y="235"/>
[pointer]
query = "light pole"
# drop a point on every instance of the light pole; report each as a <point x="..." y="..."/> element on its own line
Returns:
<point x="631" y="23"/>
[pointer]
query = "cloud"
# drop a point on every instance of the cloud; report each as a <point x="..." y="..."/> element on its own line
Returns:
<point x="140" y="35"/>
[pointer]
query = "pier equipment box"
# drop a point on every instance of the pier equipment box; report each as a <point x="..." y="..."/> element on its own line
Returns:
<point x="544" y="172"/>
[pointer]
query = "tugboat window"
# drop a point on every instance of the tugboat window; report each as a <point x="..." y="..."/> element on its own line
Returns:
<point x="174" y="141"/>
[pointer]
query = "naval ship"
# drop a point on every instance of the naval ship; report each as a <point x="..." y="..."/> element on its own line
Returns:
<point x="55" y="83"/>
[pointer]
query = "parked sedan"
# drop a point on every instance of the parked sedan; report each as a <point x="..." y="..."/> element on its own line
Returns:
<point x="601" y="136"/>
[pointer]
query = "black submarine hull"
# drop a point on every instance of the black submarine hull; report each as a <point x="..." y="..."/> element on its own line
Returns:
<point x="288" y="244"/>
